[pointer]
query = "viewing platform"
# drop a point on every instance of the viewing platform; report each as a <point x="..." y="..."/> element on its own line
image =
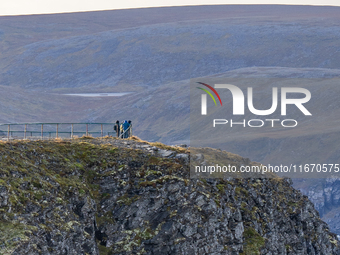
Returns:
<point x="34" y="131"/>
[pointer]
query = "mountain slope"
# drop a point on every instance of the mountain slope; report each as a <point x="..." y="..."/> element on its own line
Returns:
<point x="157" y="54"/>
<point x="108" y="196"/>
<point x="154" y="52"/>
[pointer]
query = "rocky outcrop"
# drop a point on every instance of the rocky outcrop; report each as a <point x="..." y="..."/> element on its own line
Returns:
<point x="110" y="196"/>
<point x="325" y="194"/>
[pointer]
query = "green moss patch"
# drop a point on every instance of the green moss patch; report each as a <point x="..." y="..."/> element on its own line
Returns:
<point x="253" y="242"/>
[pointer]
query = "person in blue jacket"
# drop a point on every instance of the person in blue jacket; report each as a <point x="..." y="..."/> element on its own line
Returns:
<point x="126" y="125"/>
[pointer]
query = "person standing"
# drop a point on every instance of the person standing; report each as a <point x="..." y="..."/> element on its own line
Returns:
<point x="117" y="128"/>
<point x="130" y="129"/>
<point x="126" y="126"/>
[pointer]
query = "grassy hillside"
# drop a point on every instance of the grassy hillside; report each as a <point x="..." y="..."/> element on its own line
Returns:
<point x="167" y="51"/>
<point x="153" y="53"/>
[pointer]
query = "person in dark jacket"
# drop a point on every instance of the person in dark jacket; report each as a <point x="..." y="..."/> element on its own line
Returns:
<point x="126" y="125"/>
<point x="117" y="128"/>
<point x="130" y="128"/>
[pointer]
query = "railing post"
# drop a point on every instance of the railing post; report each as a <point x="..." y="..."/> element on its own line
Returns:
<point x="87" y="129"/>
<point x="42" y="131"/>
<point x="71" y="131"/>
<point x="101" y="127"/>
<point x="9" y="129"/>
<point x="57" y="131"/>
<point x="25" y="131"/>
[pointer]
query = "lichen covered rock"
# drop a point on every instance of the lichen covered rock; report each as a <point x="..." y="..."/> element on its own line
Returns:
<point x="111" y="196"/>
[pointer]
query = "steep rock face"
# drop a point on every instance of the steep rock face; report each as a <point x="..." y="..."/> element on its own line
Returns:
<point x="325" y="194"/>
<point x="109" y="196"/>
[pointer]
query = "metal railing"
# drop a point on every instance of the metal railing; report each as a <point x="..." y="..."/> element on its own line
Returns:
<point x="55" y="130"/>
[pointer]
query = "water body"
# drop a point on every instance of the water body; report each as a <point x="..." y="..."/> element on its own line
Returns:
<point x="99" y="94"/>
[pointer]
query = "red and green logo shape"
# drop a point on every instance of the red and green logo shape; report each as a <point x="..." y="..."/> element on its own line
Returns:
<point x="204" y="97"/>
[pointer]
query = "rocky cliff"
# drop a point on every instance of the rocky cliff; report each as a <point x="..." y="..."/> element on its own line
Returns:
<point x="325" y="194"/>
<point x="110" y="196"/>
